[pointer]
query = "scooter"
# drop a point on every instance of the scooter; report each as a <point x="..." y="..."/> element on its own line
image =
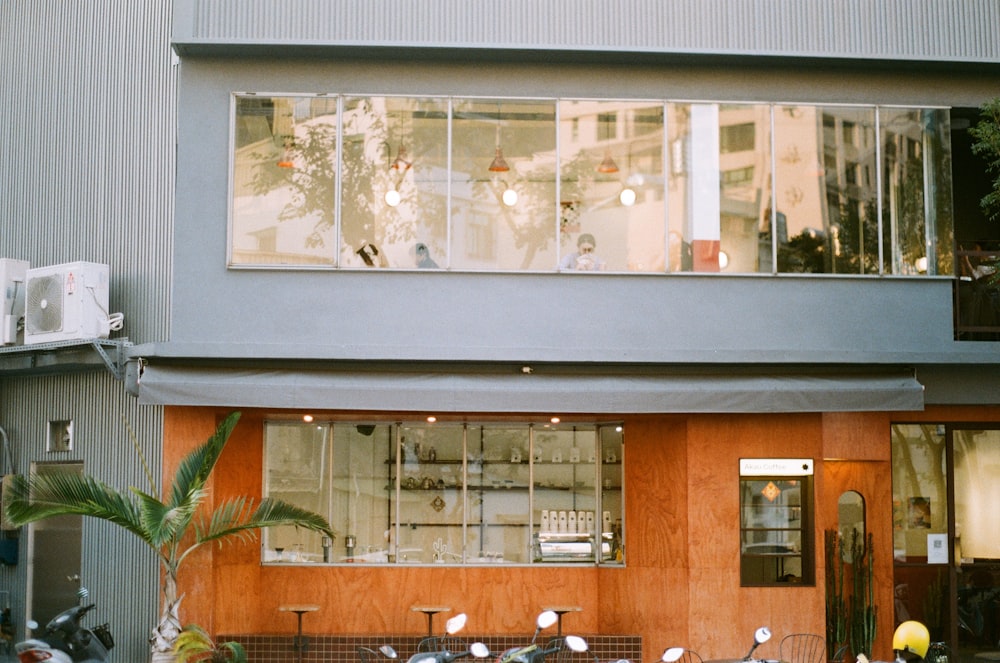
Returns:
<point x="66" y="640"/>
<point x="760" y="636"/>
<point x="440" y="652"/>
<point x="534" y="653"/>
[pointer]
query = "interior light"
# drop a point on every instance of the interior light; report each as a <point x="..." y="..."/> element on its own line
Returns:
<point x="627" y="197"/>
<point x="723" y="260"/>
<point x="509" y="197"/>
<point x="554" y="420"/>
<point x="921" y="264"/>
<point x="392" y="198"/>
<point x="307" y="418"/>
<point x="431" y="419"/>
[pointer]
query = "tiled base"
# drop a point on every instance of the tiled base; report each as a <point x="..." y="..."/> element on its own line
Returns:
<point x="344" y="648"/>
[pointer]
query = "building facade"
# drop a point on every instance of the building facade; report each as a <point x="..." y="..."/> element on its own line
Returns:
<point x="626" y="309"/>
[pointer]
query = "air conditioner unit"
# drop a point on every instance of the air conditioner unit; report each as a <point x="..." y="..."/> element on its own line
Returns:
<point x="66" y="302"/>
<point x="12" y="276"/>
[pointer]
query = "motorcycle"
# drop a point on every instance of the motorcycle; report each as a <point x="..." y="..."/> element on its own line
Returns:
<point x="438" y="647"/>
<point x="534" y="653"/>
<point x="66" y="640"/>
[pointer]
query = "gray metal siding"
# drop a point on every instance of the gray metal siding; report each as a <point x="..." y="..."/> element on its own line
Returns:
<point x="120" y="573"/>
<point x="933" y="30"/>
<point x="87" y="106"/>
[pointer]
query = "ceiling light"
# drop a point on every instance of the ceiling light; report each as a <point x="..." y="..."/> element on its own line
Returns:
<point x="392" y="198"/>
<point x="627" y="196"/>
<point x="509" y="197"/>
<point x="401" y="163"/>
<point x="499" y="164"/>
<point x="608" y="165"/>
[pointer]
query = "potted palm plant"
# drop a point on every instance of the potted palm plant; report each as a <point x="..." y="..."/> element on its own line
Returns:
<point x="173" y="527"/>
<point x="195" y="645"/>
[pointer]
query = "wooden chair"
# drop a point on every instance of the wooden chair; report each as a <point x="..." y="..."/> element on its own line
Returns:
<point x="803" y="648"/>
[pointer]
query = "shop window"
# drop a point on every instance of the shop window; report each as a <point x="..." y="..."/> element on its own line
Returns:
<point x="402" y="493"/>
<point x="776" y="531"/>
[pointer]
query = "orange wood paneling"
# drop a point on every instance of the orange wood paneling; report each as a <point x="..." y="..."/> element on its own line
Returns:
<point x="855" y="435"/>
<point x="680" y="585"/>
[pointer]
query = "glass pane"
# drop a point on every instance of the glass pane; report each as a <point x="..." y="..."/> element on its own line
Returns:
<point x="499" y="481"/>
<point x="394" y="198"/>
<point x="564" y="471"/>
<point x="612" y="188"/>
<point x="825" y="177"/>
<point x="284" y="181"/>
<point x="361" y="490"/>
<point x="503" y="185"/>
<point x="296" y="470"/>
<point x="977" y="538"/>
<point x="431" y="507"/>
<point x="771" y="522"/>
<point x="919" y="488"/>
<point x="977" y="492"/>
<point x="720" y="178"/>
<point x="916" y="196"/>
<point x="612" y="507"/>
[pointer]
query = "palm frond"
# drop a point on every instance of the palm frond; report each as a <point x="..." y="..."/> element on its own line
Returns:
<point x="236" y="517"/>
<point x="165" y="523"/>
<point x="45" y="495"/>
<point x="197" y="466"/>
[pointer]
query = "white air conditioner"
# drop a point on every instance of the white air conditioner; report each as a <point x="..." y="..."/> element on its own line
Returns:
<point x="12" y="276"/>
<point x="66" y="302"/>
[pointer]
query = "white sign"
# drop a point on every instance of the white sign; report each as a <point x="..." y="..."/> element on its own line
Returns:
<point x="782" y="467"/>
<point x="937" y="548"/>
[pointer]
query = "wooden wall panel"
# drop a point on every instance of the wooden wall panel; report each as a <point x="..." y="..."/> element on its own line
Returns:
<point x="681" y="583"/>
<point x="855" y="435"/>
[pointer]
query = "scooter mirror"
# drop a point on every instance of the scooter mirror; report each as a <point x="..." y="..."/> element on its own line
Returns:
<point x="32" y="624"/>
<point x="455" y="624"/>
<point x="673" y="654"/>
<point x="479" y="650"/>
<point x="388" y="651"/>
<point x="546" y="619"/>
<point x="762" y="635"/>
<point x="576" y="643"/>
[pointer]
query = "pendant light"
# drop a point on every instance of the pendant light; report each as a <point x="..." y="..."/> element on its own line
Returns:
<point x="499" y="164"/>
<point x="607" y="165"/>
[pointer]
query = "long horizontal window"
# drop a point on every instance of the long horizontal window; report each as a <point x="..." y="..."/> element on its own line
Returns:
<point x="448" y="493"/>
<point x="362" y="182"/>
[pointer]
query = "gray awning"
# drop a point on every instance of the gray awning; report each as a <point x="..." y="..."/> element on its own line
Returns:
<point x="538" y="391"/>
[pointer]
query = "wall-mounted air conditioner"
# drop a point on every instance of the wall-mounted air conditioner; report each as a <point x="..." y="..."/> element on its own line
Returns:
<point x="66" y="302"/>
<point x="12" y="276"/>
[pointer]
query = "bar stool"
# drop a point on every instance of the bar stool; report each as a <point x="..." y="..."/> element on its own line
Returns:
<point x="430" y="611"/>
<point x="300" y="643"/>
<point x="561" y="610"/>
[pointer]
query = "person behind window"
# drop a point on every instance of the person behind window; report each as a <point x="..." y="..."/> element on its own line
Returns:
<point x="584" y="259"/>
<point x="422" y="257"/>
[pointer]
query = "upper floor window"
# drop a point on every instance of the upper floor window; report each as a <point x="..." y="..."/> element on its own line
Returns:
<point x="358" y="182"/>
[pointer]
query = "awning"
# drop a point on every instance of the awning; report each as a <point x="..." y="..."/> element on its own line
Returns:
<point x="535" y="391"/>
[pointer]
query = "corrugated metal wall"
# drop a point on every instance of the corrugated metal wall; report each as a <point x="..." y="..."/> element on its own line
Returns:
<point x="881" y="29"/>
<point x="87" y="108"/>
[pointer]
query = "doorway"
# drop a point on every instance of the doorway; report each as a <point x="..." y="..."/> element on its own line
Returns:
<point x="54" y="553"/>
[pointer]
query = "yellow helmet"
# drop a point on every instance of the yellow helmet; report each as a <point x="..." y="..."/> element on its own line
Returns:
<point x="911" y="637"/>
